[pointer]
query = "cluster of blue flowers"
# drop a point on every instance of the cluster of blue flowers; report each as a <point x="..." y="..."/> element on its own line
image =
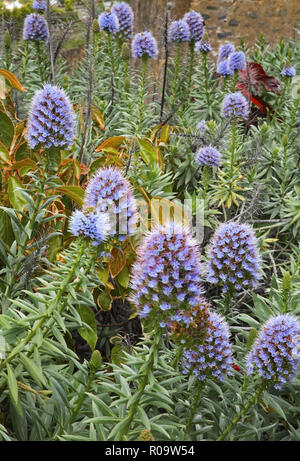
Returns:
<point x="233" y="257"/>
<point x="212" y="357"/>
<point x="91" y="224"/>
<point x="230" y="60"/>
<point x="225" y="51"/>
<point x="51" y="119"/>
<point x="166" y="275"/>
<point x="288" y="71"/>
<point x="110" y="192"/>
<point x="144" y="46"/>
<point x="235" y="105"/>
<point x="39" y="5"/>
<point x="274" y="355"/>
<point x="125" y="15"/>
<point x="203" y="45"/>
<point x="35" y="28"/>
<point x="179" y="31"/>
<point x="237" y="61"/>
<point x="190" y="29"/>
<point x="201" y="126"/>
<point x="224" y="69"/>
<point x="109" y="22"/>
<point x="208" y="156"/>
<point x="196" y="25"/>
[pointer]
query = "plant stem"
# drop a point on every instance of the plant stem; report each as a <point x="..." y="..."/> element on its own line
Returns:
<point x="190" y="76"/>
<point x="234" y="80"/>
<point x="38" y="53"/>
<point x="50" y="44"/>
<point x="194" y="406"/>
<point x="239" y="415"/>
<point x="142" y="93"/>
<point x="175" y="76"/>
<point x="205" y="180"/>
<point x="165" y="67"/>
<point x="205" y="70"/>
<point x="177" y="356"/>
<point x="146" y="370"/>
<point x="232" y="154"/>
<point x="74" y="412"/>
<point x="284" y="164"/>
<point x="25" y="61"/>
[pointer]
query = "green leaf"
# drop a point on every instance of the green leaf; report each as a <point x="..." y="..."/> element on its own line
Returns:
<point x="15" y="197"/>
<point x="89" y="334"/>
<point x="75" y="193"/>
<point x="117" y="354"/>
<point x="6" y="231"/>
<point x="7" y="131"/>
<point x="251" y="338"/>
<point x="4" y="153"/>
<point x="148" y="151"/>
<point x="12" y="385"/>
<point x="124" y="277"/>
<point x="33" y="370"/>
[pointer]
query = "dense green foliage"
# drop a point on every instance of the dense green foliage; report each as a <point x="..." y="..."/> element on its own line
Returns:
<point x="75" y="362"/>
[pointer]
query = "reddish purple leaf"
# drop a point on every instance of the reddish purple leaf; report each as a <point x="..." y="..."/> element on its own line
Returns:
<point x="257" y="76"/>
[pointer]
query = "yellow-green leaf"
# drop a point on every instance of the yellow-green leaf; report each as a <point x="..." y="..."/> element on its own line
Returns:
<point x="4" y="154"/>
<point x="75" y="193"/>
<point x="12" y="79"/>
<point x="15" y="197"/>
<point x="89" y="334"/>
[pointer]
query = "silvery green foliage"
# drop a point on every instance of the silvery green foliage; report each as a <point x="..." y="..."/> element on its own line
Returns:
<point x="47" y="390"/>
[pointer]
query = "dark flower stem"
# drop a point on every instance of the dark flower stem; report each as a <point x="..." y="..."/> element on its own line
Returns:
<point x="50" y="44"/>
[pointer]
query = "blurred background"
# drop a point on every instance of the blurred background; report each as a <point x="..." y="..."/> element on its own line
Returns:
<point x="226" y="20"/>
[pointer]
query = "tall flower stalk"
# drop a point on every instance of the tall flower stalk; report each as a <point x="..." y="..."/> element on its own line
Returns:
<point x="145" y="372"/>
<point x="142" y="95"/>
<point x="144" y="46"/>
<point x="242" y="411"/>
<point x="197" y="394"/>
<point x="25" y="60"/>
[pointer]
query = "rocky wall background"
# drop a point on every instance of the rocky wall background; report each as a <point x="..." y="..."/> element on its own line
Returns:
<point x="226" y="19"/>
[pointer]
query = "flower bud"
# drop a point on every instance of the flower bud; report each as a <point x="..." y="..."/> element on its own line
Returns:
<point x="96" y="359"/>
<point x="7" y="40"/>
<point x="125" y="53"/>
